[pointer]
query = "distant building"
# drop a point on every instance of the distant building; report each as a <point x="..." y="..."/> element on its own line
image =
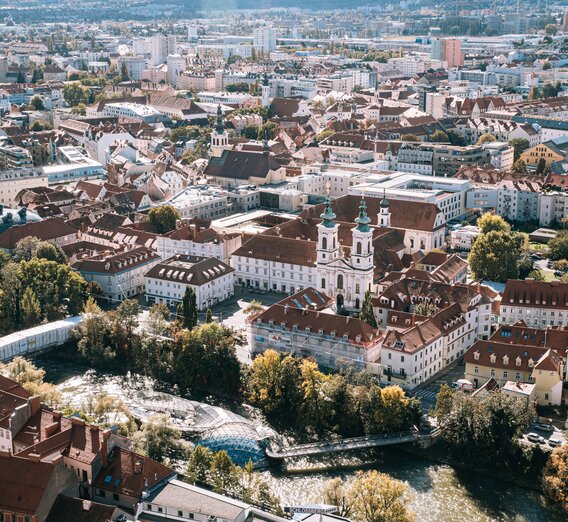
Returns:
<point x="264" y="38"/>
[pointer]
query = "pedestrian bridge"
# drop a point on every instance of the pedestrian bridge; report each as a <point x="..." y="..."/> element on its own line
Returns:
<point x="354" y="443"/>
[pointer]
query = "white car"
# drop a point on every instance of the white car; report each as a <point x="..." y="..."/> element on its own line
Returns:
<point x="535" y="437"/>
<point x="555" y="442"/>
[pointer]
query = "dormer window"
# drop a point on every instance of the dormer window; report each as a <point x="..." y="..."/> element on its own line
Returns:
<point x="518" y="361"/>
<point x="506" y="359"/>
<point x="476" y="355"/>
<point x="531" y="363"/>
<point x="493" y="358"/>
<point x="320" y="331"/>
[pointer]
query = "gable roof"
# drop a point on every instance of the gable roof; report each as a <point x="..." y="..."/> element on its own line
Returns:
<point x="236" y="164"/>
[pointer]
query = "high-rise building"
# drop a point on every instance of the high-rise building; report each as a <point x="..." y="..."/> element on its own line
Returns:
<point x="265" y="38"/>
<point x="161" y="46"/>
<point x="447" y="50"/>
<point x="437" y="49"/>
<point x="135" y="66"/>
<point x="452" y="52"/>
<point x="176" y="65"/>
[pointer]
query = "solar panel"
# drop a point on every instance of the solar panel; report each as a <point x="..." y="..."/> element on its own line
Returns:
<point x="298" y="304"/>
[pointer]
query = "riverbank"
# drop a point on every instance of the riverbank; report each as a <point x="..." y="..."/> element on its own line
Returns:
<point x="443" y="491"/>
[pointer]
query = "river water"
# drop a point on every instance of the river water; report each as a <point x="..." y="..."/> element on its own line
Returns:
<point x="440" y="493"/>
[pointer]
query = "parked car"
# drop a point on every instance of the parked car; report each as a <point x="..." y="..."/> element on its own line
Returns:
<point x="535" y="437"/>
<point x="554" y="442"/>
<point x="462" y="384"/>
<point x="544" y="427"/>
<point x="558" y="273"/>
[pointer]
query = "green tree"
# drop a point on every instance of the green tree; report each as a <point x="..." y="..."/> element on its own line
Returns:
<point x="425" y="309"/>
<point x="455" y="138"/>
<point x="537" y="275"/>
<point x="439" y="137"/>
<point x="163" y="218"/>
<point x="50" y="252"/>
<point x="250" y="132"/>
<point x="519" y="146"/>
<point x="208" y="316"/>
<point x="410" y="137"/>
<point x="11" y="290"/>
<point x="158" y="316"/>
<point x="367" y="311"/>
<point x="541" y="166"/>
<point x="160" y="441"/>
<point x="37" y="102"/>
<point x="75" y="94"/>
<point x="488" y="222"/>
<point x="206" y="360"/>
<point x="273" y="382"/>
<point x="486" y="138"/>
<point x="59" y="289"/>
<point x="555" y="476"/>
<point x="253" y="308"/>
<point x="124" y="73"/>
<point x="93" y="335"/>
<point x="551" y="29"/>
<point x="31" y="378"/>
<point x="336" y="494"/>
<point x="519" y="167"/>
<point x="21" y="77"/>
<point x="189" y="306"/>
<point x="31" y="309"/>
<point x="26" y="248"/>
<point x="494" y="257"/>
<point x="558" y="246"/>
<point x="444" y="401"/>
<point x="224" y="476"/>
<point x="198" y="465"/>
<point x="376" y="497"/>
<point x="237" y="87"/>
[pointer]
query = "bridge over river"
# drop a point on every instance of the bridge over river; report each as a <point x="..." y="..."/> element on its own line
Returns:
<point x="354" y="443"/>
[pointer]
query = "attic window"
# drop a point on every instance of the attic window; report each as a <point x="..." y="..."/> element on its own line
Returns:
<point x="399" y="345"/>
<point x="476" y="355"/>
<point x="518" y="361"/>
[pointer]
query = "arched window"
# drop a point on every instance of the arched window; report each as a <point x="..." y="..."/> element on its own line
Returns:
<point x="323" y="282"/>
<point x="359" y="249"/>
<point x="340" y="282"/>
<point x="324" y="243"/>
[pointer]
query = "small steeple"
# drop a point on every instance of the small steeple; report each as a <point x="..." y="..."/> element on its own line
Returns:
<point x="219" y="126"/>
<point x="328" y="215"/>
<point x="265" y="145"/>
<point x="384" y="202"/>
<point x="265" y="80"/>
<point x="363" y="219"/>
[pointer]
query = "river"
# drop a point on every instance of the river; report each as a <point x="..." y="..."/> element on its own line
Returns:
<point x="440" y="493"/>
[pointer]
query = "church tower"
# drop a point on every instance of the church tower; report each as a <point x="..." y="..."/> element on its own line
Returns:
<point x="362" y="248"/>
<point x="219" y="137"/>
<point x="384" y="218"/>
<point x="265" y="91"/>
<point x="328" y="249"/>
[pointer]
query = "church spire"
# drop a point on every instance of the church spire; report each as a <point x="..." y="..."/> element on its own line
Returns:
<point x="363" y="219"/>
<point x="328" y="215"/>
<point x="219" y="126"/>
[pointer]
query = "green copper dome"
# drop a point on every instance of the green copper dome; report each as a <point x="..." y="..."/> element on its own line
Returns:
<point x="328" y="215"/>
<point x="363" y="219"/>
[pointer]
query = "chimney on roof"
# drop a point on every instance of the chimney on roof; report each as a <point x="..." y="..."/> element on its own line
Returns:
<point x="95" y="440"/>
<point x="104" y="446"/>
